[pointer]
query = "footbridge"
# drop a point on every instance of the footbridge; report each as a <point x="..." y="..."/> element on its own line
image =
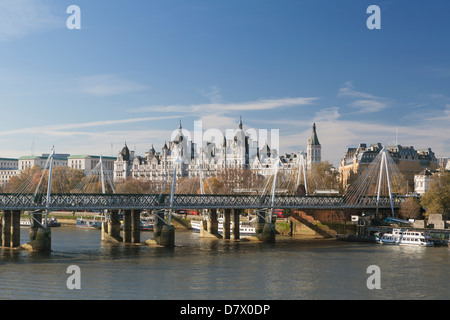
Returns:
<point x="77" y="202"/>
<point x="366" y="193"/>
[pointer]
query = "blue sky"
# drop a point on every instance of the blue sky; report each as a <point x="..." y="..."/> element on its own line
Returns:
<point x="135" y="68"/>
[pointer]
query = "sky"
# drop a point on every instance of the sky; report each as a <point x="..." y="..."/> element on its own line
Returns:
<point x="136" y="68"/>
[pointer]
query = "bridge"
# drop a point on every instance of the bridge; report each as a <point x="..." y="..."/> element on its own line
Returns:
<point x="39" y="203"/>
<point x="78" y="202"/>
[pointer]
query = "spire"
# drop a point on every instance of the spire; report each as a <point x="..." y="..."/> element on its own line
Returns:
<point x="314" y="140"/>
<point x="240" y="122"/>
<point x="180" y="125"/>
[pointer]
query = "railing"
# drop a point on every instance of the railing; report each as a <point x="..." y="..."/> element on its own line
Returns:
<point x="159" y="201"/>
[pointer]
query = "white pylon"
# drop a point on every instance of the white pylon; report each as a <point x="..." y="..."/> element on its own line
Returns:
<point x="302" y="168"/>
<point x="384" y="165"/>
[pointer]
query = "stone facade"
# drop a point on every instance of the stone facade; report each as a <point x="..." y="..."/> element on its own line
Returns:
<point x="408" y="160"/>
<point x="238" y="153"/>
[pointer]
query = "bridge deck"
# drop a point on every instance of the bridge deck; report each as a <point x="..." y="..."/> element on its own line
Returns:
<point x="180" y="201"/>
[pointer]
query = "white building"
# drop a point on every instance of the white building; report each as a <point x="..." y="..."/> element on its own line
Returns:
<point x="90" y="164"/>
<point x="422" y="181"/>
<point x="40" y="161"/>
<point x="313" y="149"/>
<point x="236" y="151"/>
<point x="8" y="169"/>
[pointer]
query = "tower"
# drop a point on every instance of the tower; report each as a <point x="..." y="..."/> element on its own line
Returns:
<point x="313" y="149"/>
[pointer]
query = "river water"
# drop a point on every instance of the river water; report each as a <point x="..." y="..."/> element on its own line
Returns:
<point x="216" y="269"/>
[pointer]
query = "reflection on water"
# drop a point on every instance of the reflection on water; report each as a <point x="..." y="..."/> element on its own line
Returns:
<point x="216" y="269"/>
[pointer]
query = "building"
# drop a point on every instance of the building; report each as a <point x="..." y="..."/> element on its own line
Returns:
<point x="409" y="161"/>
<point x="40" y="161"/>
<point x="422" y="181"/>
<point x="355" y="161"/>
<point x="90" y="164"/>
<point x="313" y="149"/>
<point x="236" y="152"/>
<point x="8" y="169"/>
<point x="444" y="163"/>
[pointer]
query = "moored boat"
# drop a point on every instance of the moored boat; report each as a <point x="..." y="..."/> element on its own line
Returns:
<point x="246" y="228"/>
<point x="405" y="238"/>
<point x="51" y="222"/>
<point x="94" y="223"/>
<point x="147" y="223"/>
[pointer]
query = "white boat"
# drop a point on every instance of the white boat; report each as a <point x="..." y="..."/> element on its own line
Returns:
<point x="246" y="228"/>
<point x="147" y="223"/>
<point x="406" y="238"/>
<point x="94" y="222"/>
<point x="51" y="222"/>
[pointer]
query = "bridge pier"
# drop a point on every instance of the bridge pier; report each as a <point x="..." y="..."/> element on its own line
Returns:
<point x="131" y="226"/>
<point x="260" y="222"/>
<point x="268" y="233"/>
<point x="40" y="237"/>
<point x="235" y="217"/>
<point x="167" y="236"/>
<point x="264" y="228"/>
<point x="111" y="229"/>
<point x="159" y="223"/>
<point x="126" y="226"/>
<point x="135" y="226"/>
<point x="210" y="226"/>
<point x="10" y="237"/>
<point x="163" y="234"/>
<point x="226" y="224"/>
<point x="213" y="223"/>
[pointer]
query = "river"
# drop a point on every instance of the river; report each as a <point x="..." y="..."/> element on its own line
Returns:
<point x="216" y="269"/>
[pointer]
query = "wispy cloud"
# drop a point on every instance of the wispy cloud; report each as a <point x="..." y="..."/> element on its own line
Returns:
<point x="62" y="129"/>
<point x="365" y="102"/>
<point x="22" y="17"/>
<point x="258" y="105"/>
<point x="109" y="85"/>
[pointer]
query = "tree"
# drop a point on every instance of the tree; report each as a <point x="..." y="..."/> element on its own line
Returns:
<point x="322" y="176"/>
<point x="133" y="186"/>
<point x="410" y="208"/>
<point x="437" y="199"/>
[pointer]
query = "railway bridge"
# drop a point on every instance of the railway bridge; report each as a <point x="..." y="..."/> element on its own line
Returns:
<point x="12" y="205"/>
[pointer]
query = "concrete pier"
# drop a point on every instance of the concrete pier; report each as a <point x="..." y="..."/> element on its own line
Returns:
<point x="213" y="223"/>
<point x="126" y="234"/>
<point x="163" y="234"/>
<point x="268" y="233"/>
<point x="260" y="222"/>
<point x="40" y="237"/>
<point x="6" y="229"/>
<point x="135" y="226"/>
<point x="111" y="228"/>
<point x="167" y="236"/>
<point x="131" y="226"/>
<point x="226" y="224"/>
<point x="10" y="237"/>
<point x="15" y="228"/>
<point x="159" y="223"/>
<point x="210" y="226"/>
<point x="235" y="218"/>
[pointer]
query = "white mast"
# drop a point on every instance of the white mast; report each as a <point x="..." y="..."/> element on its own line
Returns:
<point x="49" y="187"/>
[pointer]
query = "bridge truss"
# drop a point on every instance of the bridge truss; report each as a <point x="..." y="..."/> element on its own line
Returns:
<point x="56" y="202"/>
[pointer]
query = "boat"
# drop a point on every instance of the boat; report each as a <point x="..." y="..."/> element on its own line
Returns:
<point x="93" y="223"/>
<point x="51" y="222"/>
<point x="147" y="223"/>
<point x="246" y="228"/>
<point x="405" y="238"/>
<point x="25" y="222"/>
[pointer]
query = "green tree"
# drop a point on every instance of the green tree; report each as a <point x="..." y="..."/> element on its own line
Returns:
<point x="410" y="208"/>
<point x="322" y="176"/>
<point x="437" y="199"/>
